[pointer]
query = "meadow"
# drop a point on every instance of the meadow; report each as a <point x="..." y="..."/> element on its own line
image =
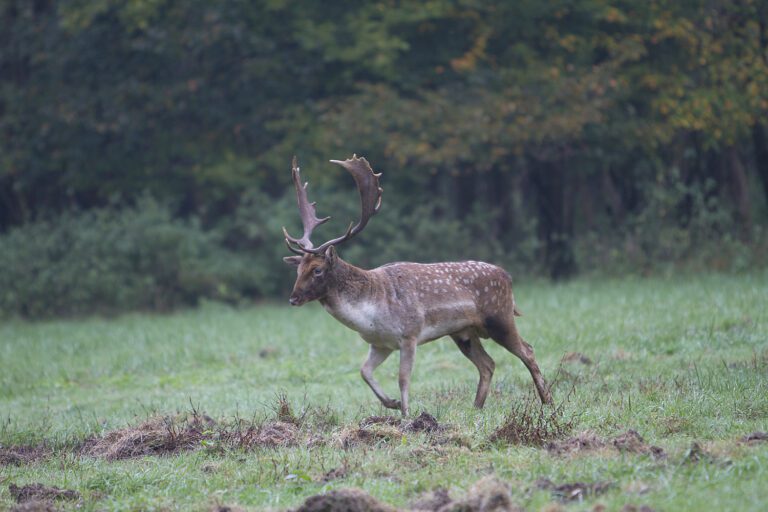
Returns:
<point x="682" y="361"/>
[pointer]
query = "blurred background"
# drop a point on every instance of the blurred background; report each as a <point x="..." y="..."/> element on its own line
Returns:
<point x="145" y="145"/>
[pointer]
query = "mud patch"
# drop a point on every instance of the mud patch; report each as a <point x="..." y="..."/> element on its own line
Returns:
<point x="156" y="436"/>
<point x="35" y="506"/>
<point x="576" y="491"/>
<point x="631" y="441"/>
<point x="226" y="508"/>
<point x="392" y="421"/>
<point x="588" y="441"/>
<point x="439" y="499"/>
<point x="424" y="422"/>
<point x="581" y="442"/>
<point x="696" y="454"/>
<point x="19" y="455"/>
<point x="755" y="438"/>
<point x="268" y="352"/>
<point x="270" y="435"/>
<point x="487" y="494"/>
<point x="334" y="474"/>
<point x="376" y="429"/>
<point x="168" y="435"/>
<point x="351" y="500"/>
<point x="372" y="434"/>
<point x="39" y="492"/>
<point x="629" y="507"/>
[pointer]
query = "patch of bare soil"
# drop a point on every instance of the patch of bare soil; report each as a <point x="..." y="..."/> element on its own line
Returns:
<point x="436" y="500"/>
<point x="629" y="507"/>
<point x="576" y="357"/>
<point x="35" y="506"/>
<point x="156" y="436"/>
<point x="268" y="352"/>
<point x="424" y="422"/>
<point x="488" y="494"/>
<point x="372" y="434"/>
<point x="392" y="421"/>
<point x="270" y="434"/>
<point x="18" y="455"/>
<point x="374" y="429"/>
<point x="344" y="500"/>
<point x="226" y="508"/>
<point x="583" y="441"/>
<point x="334" y="474"/>
<point x="755" y="438"/>
<point x="168" y="435"/>
<point x="575" y="491"/>
<point x="39" y="492"/>
<point x="629" y="441"/>
<point x="698" y="455"/>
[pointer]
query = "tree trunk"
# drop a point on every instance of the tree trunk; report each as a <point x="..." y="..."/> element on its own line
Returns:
<point x="551" y="181"/>
<point x="738" y="187"/>
<point x="760" y="143"/>
<point x="464" y="185"/>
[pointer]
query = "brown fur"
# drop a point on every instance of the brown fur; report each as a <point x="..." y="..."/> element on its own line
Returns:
<point x="402" y="305"/>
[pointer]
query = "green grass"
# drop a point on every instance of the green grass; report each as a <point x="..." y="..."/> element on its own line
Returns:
<point x="678" y="360"/>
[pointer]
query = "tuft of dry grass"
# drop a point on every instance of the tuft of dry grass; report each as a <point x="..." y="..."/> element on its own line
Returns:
<point x="155" y="436"/>
<point x="532" y="424"/>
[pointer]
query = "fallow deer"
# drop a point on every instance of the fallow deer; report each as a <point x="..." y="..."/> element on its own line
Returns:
<point x="400" y="306"/>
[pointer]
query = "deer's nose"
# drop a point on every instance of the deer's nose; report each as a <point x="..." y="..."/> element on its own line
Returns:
<point x="294" y="300"/>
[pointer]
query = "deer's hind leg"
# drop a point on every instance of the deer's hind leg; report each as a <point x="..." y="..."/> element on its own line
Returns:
<point x="471" y="347"/>
<point x="504" y="332"/>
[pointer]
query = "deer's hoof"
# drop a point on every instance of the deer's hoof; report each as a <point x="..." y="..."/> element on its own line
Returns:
<point x="392" y="404"/>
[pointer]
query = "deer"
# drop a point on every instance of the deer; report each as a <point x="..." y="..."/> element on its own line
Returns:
<point x="402" y="305"/>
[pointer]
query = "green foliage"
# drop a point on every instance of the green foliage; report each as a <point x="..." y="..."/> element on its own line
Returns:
<point x="111" y="260"/>
<point x="519" y="129"/>
<point x="681" y="227"/>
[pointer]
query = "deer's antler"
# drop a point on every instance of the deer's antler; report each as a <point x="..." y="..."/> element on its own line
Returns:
<point x="370" y="201"/>
<point x="307" y="211"/>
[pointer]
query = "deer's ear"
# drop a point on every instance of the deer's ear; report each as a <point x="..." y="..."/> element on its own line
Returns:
<point x="330" y="255"/>
<point x="292" y="260"/>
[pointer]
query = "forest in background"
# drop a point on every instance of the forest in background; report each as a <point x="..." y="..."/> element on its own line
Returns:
<point x="145" y="145"/>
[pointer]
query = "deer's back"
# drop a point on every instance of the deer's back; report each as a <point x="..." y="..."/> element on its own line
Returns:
<point x="450" y="297"/>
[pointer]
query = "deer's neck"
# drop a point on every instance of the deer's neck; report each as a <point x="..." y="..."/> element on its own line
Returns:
<point x="355" y="299"/>
<point x="348" y="284"/>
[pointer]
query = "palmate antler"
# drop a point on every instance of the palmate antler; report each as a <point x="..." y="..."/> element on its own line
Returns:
<point x="370" y="201"/>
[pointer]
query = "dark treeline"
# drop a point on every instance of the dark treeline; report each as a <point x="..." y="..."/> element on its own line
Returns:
<point x="146" y="145"/>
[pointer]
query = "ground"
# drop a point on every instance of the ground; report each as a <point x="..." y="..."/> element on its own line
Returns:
<point x="659" y="382"/>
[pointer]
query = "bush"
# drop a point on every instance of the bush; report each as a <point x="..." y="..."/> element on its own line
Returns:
<point x="678" y="227"/>
<point x="110" y="260"/>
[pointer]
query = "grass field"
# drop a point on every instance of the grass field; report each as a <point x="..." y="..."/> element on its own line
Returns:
<point x="678" y="360"/>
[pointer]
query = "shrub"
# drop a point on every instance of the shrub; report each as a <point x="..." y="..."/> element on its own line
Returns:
<point x="109" y="260"/>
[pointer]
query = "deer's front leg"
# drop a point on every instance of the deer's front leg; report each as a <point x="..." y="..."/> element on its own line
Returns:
<point x="376" y="356"/>
<point x="407" y="355"/>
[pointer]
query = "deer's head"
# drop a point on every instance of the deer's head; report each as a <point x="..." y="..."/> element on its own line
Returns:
<point x="315" y="265"/>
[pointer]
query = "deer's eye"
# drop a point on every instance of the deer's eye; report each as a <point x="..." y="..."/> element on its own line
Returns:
<point x="318" y="271"/>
